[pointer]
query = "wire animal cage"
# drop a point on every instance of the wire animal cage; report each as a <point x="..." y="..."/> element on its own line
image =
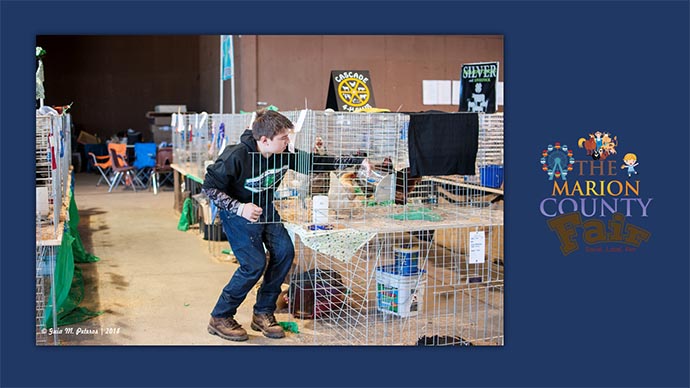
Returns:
<point x="382" y="257"/>
<point x="387" y="195"/>
<point x="53" y="158"/>
<point x="198" y="140"/>
<point x="53" y="153"/>
<point x="399" y="288"/>
<point x="385" y="258"/>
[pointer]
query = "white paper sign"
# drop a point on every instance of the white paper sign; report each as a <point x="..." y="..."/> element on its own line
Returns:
<point x="455" y="93"/>
<point x="477" y="247"/>
<point x="429" y="92"/>
<point x="436" y="92"/>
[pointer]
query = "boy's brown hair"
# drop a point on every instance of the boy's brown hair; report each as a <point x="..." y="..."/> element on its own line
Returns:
<point x="269" y="123"/>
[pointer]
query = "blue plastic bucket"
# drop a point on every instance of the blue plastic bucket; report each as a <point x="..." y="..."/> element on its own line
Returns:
<point x="407" y="260"/>
<point x="491" y="175"/>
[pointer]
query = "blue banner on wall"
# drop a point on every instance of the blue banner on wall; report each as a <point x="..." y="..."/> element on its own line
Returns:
<point x="227" y="54"/>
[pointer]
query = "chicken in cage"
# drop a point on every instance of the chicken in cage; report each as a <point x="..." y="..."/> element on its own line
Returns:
<point x="384" y="255"/>
<point x="404" y="259"/>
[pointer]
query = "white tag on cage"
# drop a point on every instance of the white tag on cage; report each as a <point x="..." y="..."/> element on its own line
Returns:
<point x="42" y="203"/>
<point x="477" y="247"/>
<point x="298" y="127"/>
<point x="320" y="209"/>
<point x="202" y="120"/>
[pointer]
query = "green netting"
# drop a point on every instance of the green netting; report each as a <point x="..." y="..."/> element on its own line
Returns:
<point x="70" y="312"/>
<point x="417" y="215"/>
<point x="62" y="278"/>
<point x="69" y="288"/>
<point x="186" y="216"/>
<point x="80" y="254"/>
<point x="68" y="282"/>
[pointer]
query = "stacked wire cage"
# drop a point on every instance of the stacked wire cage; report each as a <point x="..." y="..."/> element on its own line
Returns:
<point x="198" y="140"/>
<point x="383" y="258"/>
<point x="53" y="158"/>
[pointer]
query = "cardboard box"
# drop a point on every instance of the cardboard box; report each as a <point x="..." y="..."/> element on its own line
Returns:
<point x="161" y="133"/>
<point x="87" y="138"/>
<point x="455" y="238"/>
<point x="170" y="108"/>
<point x="162" y="120"/>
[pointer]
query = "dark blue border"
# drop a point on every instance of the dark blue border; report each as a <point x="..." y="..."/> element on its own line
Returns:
<point x="570" y="67"/>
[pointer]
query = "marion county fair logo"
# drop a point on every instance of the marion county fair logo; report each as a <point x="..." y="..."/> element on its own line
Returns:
<point x="593" y="198"/>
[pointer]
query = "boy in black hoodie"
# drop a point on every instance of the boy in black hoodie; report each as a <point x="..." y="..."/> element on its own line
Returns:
<point x="242" y="183"/>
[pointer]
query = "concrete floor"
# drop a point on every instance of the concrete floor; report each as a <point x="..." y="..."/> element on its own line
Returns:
<point x="155" y="285"/>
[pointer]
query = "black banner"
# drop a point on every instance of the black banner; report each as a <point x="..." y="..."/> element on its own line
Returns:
<point x="478" y="87"/>
<point x="350" y="90"/>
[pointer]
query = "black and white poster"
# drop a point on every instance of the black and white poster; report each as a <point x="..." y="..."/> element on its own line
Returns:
<point x="478" y="87"/>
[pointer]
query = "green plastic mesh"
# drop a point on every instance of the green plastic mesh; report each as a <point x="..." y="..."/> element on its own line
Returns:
<point x="68" y="281"/>
<point x="80" y="254"/>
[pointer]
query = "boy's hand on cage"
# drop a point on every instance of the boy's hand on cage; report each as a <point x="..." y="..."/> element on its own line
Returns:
<point x="251" y="212"/>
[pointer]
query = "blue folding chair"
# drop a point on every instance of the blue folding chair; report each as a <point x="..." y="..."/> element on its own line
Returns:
<point x="145" y="160"/>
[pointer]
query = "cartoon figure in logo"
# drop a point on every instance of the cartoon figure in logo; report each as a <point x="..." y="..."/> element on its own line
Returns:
<point x="478" y="103"/>
<point x="630" y="162"/>
<point x="590" y="144"/>
<point x="557" y="161"/>
<point x="596" y="155"/>
<point x="599" y="145"/>
<point x="608" y="146"/>
<point x="598" y="139"/>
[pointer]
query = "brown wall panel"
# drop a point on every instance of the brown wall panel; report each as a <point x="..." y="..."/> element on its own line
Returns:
<point x="284" y="70"/>
<point x="209" y="73"/>
<point x="354" y="53"/>
<point x="114" y="80"/>
<point x="288" y="70"/>
<point x="245" y="82"/>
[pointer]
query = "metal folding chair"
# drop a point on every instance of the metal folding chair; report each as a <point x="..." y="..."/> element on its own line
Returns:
<point x="164" y="158"/>
<point x="121" y="169"/>
<point x="145" y="160"/>
<point x="104" y="167"/>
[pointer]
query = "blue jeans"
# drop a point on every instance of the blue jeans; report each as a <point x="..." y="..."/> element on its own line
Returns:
<point x="247" y="241"/>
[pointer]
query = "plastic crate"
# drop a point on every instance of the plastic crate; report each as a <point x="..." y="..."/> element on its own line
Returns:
<point x="491" y="175"/>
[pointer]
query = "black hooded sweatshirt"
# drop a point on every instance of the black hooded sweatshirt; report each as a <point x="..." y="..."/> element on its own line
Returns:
<point x="242" y="175"/>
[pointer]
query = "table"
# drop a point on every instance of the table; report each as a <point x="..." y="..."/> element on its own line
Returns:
<point x="178" y="172"/>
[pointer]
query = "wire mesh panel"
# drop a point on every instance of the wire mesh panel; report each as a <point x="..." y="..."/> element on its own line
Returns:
<point x="42" y="284"/>
<point x="46" y="255"/>
<point x="47" y="173"/>
<point x="199" y="138"/>
<point x="384" y="258"/>
<point x="490" y="151"/>
<point x="53" y="158"/>
<point x="385" y="193"/>
<point x="357" y="287"/>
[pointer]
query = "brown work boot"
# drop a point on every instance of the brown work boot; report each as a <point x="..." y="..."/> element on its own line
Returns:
<point x="267" y="324"/>
<point x="227" y="328"/>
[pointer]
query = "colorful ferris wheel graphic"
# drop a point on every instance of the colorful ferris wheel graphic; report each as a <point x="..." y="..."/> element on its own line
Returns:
<point x="557" y="161"/>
